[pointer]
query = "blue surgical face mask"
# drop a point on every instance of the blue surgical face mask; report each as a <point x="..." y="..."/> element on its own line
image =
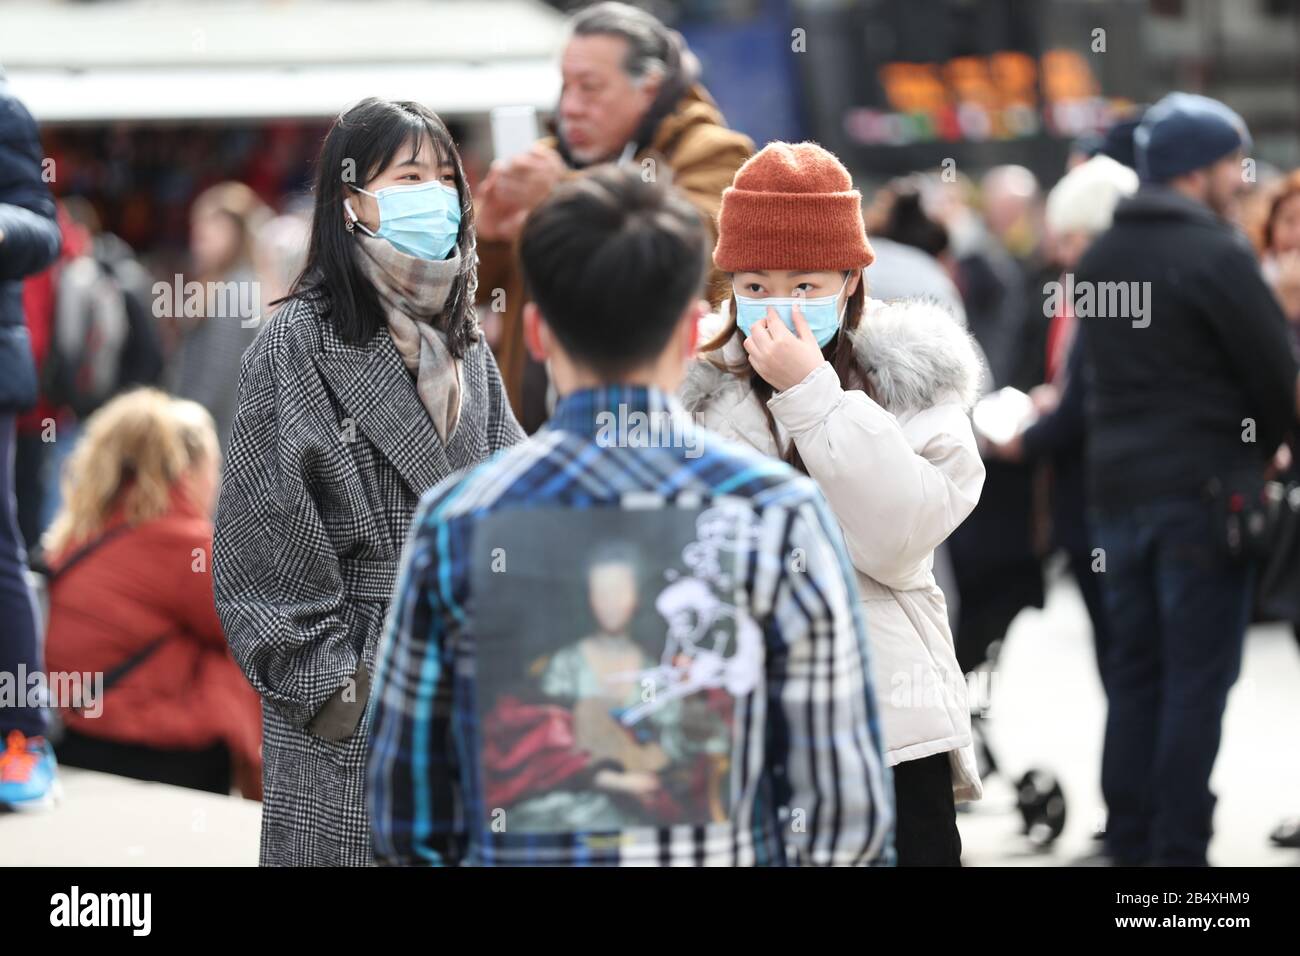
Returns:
<point x="822" y="314"/>
<point x="421" y="220"/>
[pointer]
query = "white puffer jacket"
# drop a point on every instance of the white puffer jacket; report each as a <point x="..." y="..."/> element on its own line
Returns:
<point x="899" y="476"/>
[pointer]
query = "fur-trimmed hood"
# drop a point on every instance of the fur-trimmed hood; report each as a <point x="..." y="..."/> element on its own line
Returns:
<point x="915" y="353"/>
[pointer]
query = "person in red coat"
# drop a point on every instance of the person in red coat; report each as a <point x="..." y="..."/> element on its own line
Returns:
<point x="131" y="599"/>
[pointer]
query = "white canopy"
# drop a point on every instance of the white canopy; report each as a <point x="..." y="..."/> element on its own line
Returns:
<point x="213" y="60"/>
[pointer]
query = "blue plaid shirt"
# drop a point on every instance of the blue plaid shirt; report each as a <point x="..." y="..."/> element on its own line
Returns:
<point x="626" y="641"/>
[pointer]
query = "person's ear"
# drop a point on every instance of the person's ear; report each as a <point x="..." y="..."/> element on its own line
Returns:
<point x="356" y="214"/>
<point x="536" y="335"/>
<point x="855" y="276"/>
<point x="650" y="86"/>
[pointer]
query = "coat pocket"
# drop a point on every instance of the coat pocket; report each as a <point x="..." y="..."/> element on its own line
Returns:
<point x="338" y="719"/>
<point x="367" y="587"/>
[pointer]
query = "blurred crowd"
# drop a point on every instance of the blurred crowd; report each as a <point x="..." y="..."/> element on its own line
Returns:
<point x="117" y="464"/>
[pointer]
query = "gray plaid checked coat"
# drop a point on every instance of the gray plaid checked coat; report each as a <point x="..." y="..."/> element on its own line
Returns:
<point x="330" y="452"/>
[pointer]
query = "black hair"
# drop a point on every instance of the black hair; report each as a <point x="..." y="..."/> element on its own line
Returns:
<point x="612" y="262"/>
<point x="908" y="223"/>
<point x="362" y="143"/>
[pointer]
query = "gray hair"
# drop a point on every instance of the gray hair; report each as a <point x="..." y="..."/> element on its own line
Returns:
<point x="649" y="42"/>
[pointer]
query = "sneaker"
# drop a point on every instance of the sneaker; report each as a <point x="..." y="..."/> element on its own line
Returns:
<point x="28" y="773"/>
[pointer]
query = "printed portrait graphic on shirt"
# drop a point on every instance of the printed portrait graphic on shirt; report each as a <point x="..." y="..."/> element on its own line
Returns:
<point x="609" y="657"/>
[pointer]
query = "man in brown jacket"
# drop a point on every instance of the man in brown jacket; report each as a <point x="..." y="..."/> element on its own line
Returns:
<point x="630" y="94"/>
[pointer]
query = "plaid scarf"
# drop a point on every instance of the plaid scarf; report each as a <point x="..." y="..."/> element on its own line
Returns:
<point x="414" y="292"/>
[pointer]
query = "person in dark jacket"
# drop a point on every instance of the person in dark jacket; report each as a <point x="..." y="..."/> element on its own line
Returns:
<point x="1192" y="388"/>
<point x="29" y="241"/>
<point x="1079" y="208"/>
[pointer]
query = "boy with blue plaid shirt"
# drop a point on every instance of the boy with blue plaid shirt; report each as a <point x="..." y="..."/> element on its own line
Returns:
<point x="624" y="641"/>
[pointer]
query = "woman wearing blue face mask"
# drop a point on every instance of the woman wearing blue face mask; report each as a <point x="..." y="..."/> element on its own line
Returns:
<point x="370" y="384"/>
<point x="870" y="400"/>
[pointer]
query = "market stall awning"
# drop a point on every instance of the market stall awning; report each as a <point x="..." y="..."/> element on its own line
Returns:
<point x="195" y="60"/>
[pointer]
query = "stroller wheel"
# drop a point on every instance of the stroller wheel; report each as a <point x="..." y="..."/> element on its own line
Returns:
<point x="1041" y="803"/>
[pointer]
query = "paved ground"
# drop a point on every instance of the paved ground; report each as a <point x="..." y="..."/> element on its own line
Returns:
<point x="112" y="821"/>
<point x="1047" y="711"/>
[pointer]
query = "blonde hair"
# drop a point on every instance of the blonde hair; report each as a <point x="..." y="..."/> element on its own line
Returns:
<point x="243" y="207"/>
<point x="133" y="452"/>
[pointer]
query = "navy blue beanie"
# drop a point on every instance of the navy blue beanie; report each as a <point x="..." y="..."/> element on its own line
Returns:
<point x="1186" y="132"/>
<point x="1118" y="141"/>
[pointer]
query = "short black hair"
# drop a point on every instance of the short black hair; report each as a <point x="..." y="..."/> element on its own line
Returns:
<point x="612" y="262"/>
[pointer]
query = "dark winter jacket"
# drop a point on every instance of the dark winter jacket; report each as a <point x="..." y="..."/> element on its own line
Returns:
<point x="1059" y="437"/>
<point x="29" y="241"/>
<point x="1177" y="395"/>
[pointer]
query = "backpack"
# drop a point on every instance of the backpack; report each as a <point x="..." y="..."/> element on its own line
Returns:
<point x="104" y="338"/>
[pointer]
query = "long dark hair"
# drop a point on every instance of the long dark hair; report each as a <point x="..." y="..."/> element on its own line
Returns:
<point x="838" y="351"/>
<point x="362" y="142"/>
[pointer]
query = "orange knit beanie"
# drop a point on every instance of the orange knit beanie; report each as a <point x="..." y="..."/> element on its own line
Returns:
<point x="792" y="206"/>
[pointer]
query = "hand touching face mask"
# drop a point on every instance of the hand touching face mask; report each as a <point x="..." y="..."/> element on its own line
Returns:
<point x="783" y="358"/>
<point x="823" y="314"/>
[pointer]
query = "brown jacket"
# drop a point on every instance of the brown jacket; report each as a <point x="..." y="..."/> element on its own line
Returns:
<point x="702" y="154"/>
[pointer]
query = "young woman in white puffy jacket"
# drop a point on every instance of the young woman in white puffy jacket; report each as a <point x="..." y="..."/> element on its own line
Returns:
<point x="871" y="400"/>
